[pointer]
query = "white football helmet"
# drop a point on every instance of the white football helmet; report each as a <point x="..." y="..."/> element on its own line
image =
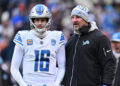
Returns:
<point x="40" y="11"/>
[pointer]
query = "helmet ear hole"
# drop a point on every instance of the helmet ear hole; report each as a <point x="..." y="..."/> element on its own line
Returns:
<point x="47" y="19"/>
<point x="33" y="19"/>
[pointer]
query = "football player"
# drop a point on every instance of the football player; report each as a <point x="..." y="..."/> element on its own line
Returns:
<point x="39" y="50"/>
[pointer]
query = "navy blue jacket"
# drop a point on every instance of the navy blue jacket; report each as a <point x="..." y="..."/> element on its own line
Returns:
<point x="89" y="60"/>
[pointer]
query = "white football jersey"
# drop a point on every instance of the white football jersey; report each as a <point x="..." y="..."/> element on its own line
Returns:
<point x="39" y="60"/>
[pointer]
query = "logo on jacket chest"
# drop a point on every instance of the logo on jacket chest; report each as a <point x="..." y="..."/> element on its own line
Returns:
<point x="87" y="42"/>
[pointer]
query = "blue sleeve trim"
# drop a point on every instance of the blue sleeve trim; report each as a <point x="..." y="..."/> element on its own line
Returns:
<point x="62" y="39"/>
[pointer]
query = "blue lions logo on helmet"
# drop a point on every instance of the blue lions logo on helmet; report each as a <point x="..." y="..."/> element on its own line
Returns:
<point x="39" y="9"/>
<point x="116" y="37"/>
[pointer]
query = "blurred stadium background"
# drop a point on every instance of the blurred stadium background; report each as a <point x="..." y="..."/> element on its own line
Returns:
<point x="14" y="17"/>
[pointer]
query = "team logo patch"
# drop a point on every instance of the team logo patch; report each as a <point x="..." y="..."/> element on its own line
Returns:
<point x="86" y="42"/>
<point x="53" y="42"/>
<point x="39" y="10"/>
<point x="29" y="42"/>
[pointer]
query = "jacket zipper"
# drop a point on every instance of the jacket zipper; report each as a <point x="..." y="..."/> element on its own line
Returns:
<point x="117" y="62"/>
<point x="104" y="51"/>
<point x="74" y="60"/>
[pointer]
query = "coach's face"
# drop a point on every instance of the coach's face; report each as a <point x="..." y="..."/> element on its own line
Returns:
<point x="78" y="22"/>
<point x="116" y="46"/>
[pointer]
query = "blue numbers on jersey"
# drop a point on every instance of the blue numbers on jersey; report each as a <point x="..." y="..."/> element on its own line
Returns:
<point x="42" y="59"/>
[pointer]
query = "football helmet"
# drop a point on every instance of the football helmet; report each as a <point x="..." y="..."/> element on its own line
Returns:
<point x="116" y="37"/>
<point x="40" y="11"/>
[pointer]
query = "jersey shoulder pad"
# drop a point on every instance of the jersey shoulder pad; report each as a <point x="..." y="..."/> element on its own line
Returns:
<point x="19" y="37"/>
<point x="59" y="36"/>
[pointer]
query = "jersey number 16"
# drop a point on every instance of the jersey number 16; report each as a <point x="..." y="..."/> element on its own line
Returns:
<point x="42" y="60"/>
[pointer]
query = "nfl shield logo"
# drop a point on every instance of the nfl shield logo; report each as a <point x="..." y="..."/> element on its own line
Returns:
<point x="53" y="42"/>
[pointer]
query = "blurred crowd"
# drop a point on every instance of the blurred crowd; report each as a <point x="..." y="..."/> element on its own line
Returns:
<point x="14" y="16"/>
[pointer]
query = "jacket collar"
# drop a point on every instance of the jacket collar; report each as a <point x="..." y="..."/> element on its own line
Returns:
<point x="93" y="26"/>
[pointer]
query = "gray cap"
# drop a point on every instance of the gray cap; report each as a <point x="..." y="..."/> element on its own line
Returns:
<point x="81" y="11"/>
